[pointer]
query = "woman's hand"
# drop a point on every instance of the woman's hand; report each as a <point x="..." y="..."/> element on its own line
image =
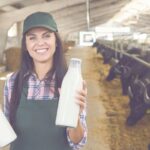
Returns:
<point x="81" y="97"/>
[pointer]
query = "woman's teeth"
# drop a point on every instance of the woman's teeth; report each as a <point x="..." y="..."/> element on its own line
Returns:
<point x="41" y="50"/>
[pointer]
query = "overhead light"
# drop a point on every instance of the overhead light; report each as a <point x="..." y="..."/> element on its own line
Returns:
<point x="113" y="29"/>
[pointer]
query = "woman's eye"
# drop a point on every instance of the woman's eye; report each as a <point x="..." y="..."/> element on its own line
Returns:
<point x="32" y="38"/>
<point x="47" y="36"/>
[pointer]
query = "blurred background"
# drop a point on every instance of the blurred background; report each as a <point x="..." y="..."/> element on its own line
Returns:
<point x="112" y="38"/>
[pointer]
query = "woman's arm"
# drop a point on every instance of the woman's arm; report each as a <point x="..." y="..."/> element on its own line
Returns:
<point x="6" y="99"/>
<point x="8" y="86"/>
<point x="83" y="140"/>
<point x="78" y="136"/>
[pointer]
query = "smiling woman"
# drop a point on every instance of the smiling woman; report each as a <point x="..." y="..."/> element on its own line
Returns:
<point x="41" y="44"/>
<point x="31" y="94"/>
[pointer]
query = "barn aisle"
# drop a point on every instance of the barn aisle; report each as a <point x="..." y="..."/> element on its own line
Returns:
<point x="96" y="116"/>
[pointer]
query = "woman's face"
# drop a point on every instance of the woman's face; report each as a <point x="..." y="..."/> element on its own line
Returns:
<point x="41" y="44"/>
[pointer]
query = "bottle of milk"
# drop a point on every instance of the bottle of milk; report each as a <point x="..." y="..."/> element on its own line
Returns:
<point x="68" y="110"/>
<point x="7" y="134"/>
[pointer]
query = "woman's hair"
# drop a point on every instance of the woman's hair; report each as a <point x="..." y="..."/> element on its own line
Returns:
<point x="59" y="69"/>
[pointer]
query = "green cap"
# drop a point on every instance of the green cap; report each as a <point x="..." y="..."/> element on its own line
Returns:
<point x="40" y="19"/>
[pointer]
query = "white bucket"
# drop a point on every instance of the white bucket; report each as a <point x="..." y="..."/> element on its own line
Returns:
<point x="7" y="134"/>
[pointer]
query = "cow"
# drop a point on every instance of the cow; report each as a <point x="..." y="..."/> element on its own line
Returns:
<point x="139" y="94"/>
<point x="124" y="68"/>
<point x="107" y="52"/>
<point x="135" y="79"/>
<point x="100" y="47"/>
<point x="114" y="71"/>
<point x="127" y="68"/>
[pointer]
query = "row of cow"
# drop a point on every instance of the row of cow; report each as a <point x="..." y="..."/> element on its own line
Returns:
<point x="134" y="77"/>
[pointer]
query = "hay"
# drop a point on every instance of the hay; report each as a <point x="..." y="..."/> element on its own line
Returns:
<point x="68" y="45"/>
<point x="12" y="58"/>
<point x="12" y="55"/>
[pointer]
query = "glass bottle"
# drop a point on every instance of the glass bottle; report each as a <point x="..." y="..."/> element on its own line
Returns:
<point x="7" y="134"/>
<point x="68" y="109"/>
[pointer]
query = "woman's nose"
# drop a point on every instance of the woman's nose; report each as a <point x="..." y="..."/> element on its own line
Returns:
<point x="40" y="41"/>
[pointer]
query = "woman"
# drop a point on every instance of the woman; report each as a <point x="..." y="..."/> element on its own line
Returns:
<point x="31" y="94"/>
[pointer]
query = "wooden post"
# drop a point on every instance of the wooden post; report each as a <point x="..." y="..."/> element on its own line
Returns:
<point x="19" y="33"/>
<point x="3" y="41"/>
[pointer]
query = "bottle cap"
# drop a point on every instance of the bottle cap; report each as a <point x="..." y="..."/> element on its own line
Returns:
<point x="76" y="59"/>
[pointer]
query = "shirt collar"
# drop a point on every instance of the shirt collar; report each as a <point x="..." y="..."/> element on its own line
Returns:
<point x="34" y="75"/>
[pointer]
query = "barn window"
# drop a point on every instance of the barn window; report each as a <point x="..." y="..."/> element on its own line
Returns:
<point x="12" y="32"/>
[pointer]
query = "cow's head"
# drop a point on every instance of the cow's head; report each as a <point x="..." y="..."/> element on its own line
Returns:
<point x="136" y="89"/>
<point x="113" y="72"/>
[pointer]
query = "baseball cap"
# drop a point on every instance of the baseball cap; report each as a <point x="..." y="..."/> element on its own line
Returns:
<point x="40" y="19"/>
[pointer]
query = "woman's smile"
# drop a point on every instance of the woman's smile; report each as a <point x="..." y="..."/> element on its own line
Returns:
<point x="42" y="51"/>
<point x="41" y="45"/>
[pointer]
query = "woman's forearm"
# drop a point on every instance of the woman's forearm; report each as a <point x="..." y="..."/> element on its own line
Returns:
<point x="76" y="134"/>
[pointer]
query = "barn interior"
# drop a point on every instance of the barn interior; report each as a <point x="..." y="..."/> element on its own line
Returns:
<point x="112" y="38"/>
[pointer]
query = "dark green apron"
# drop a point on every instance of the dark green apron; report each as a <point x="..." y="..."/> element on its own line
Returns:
<point x="35" y="124"/>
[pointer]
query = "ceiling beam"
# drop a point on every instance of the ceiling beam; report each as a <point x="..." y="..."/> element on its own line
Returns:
<point x="100" y="5"/>
<point x="80" y="16"/>
<point x="54" y="7"/>
<point x="145" y="20"/>
<point x="8" y="2"/>
<point x="8" y="8"/>
<point x="68" y="14"/>
<point x="83" y="26"/>
<point x="100" y="15"/>
<point x="75" y="20"/>
<point x="142" y="30"/>
<point x="20" y="14"/>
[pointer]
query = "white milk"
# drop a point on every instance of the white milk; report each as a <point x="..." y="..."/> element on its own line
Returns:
<point x="68" y="110"/>
<point x="7" y="134"/>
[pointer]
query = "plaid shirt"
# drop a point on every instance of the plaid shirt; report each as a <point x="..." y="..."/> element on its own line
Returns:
<point x="41" y="90"/>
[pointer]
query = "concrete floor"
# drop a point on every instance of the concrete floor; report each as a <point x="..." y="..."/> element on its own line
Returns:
<point x="96" y="116"/>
